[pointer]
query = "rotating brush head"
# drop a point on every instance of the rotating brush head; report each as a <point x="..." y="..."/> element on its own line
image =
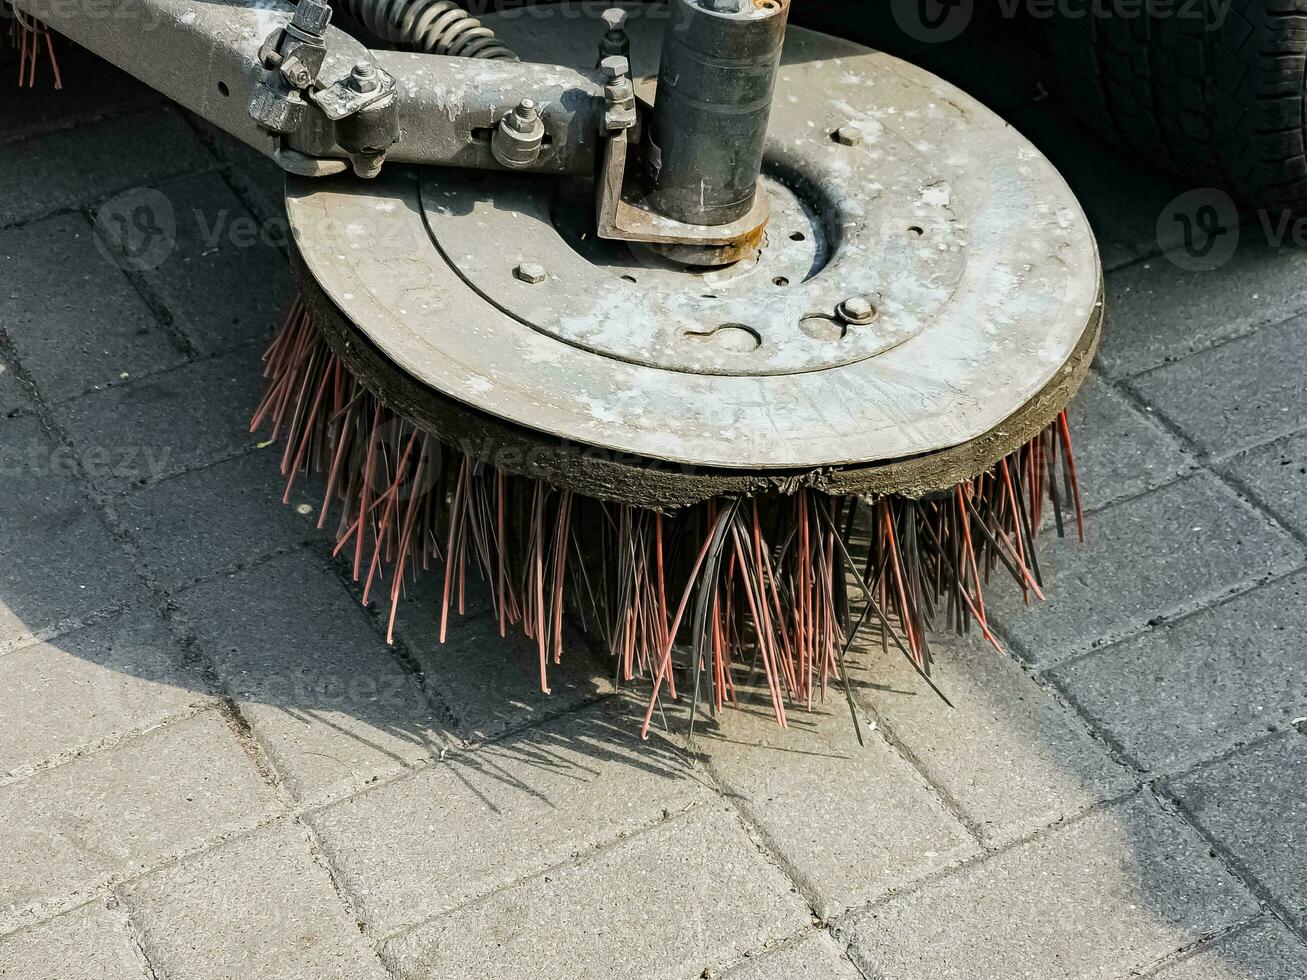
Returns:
<point x="765" y="583"/>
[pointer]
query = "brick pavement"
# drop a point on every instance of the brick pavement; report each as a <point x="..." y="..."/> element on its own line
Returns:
<point x="213" y="766"/>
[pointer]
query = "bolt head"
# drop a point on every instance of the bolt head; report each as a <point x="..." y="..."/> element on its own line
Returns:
<point x="615" y="66"/>
<point x="615" y="18"/>
<point x="858" y="309"/>
<point x="849" y="136"/>
<point x="530" y="272"/>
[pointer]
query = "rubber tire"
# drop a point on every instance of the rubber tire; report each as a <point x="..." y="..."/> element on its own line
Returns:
<point x="1221" y="106"/>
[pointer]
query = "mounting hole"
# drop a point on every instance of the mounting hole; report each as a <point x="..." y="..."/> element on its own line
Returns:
<point x="819" y="326"/>
<point x="223" y="90"/>
<point x="629" y="279"/>
<point x="916" y="231"/>
<point x="780" y="281"/>
<point x="733" y="337"/>
<point x="798" y="236"/>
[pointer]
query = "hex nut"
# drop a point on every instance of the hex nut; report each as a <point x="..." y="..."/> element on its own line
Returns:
<point x="857" y="309"/>
<point x="532" y="273"/>
<point x="849" y="136"/>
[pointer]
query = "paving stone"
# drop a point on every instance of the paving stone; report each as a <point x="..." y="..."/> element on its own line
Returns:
<point x="75" y="321"/>
<point x="270" y="911"/>
<point x="58" y="561"/>
<point x="1094" y="900"/>
<point x="163" y="425"/>
<point x="91" y="943"/>
<point x="79" y="166"/>
<point x="817" y="958"/>
<point x="1159" y="313"/>
<point x="1170" y="550"/>
<point x="485" y="819"/>
<point x="332" y="706"/>
<point x="45" y="108"/>
<point x="1119" y="452"/>
<point x="1253" y="805"/>
<point x="1192" y="689"/>
<point x="195" y="525"/>
<point x="257" y="178"/>
<point x="686" y="897"/>
<point x="90" y="688"/>
<point x="1277" y="475"/>
<point x="72" y="830"/>
<point x="849" y="822"/>
<point x="492" y="683"/>
<point x="1243" y="393"/>
<point x="1266" y="951"/>
<point x="226" y="282"/>
<point x="1008" y="756"/>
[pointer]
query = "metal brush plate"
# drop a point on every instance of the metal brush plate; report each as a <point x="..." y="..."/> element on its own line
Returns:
<point x="978" y="258"/>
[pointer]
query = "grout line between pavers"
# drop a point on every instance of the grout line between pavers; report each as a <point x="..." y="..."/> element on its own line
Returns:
<point x="1229" y="862"/>
<point x="848" y="916"/>
<point x="1191" y="949"/>
<point x="576" y="860"/>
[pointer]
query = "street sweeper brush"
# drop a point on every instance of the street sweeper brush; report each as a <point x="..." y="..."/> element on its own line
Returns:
<point x="34" y="43"/>
<point x="731" y="350"/>
<point x="728" y="470"/>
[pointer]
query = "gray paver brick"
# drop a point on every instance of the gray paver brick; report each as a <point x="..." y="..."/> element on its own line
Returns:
<point x="689" y="895"/>
<point x="1194" y="688"/>
<point x="1243" y="393"/>
<point x="256" y="177"/>
<point x="44" y="108"/>
<point x="1265" y="951"/>
<point x="194" y="525"/>
<point x="849" y="822"/>
<point x="1160" y="313"/>
<point x="332" y="706"/>
<point x="492" y="683"/>
<point x="82" y="165"/>
<point x="74" y="319"/>
<point x="817" y="958"/>
<point x="1112" y="892"/>
<point x="485" y="819"/>
<point x="122" y="811"/>
<point x="269" y="912"/>
<point x="90" y="943"/>
<point x="159" y="426"/>
<point x="1008" y="755"/>
<point x="1118" y="452"/>
<point x="85" y="689"/>
<point x="58" y="560"/>
<point x="1253" y="804"/>
<point x="226" y="282"/>
<point x="1277" y="475"/>
<point x="1152" y="556"/>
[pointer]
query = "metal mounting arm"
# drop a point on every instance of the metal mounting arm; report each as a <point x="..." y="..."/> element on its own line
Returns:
<point x="212" y="59"/>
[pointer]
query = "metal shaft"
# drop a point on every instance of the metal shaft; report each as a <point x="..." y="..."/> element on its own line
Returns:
<point x="715" y="86"/>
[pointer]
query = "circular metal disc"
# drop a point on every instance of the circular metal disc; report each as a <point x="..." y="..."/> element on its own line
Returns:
<point x="976" y="256"/>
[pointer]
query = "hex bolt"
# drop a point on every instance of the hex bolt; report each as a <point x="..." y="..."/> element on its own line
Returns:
<point x="614" y="19"/>
<point x="849" y="136"/>
<point x="363" y="78"/>
<point x="524" y="116"/>
<point x="532" y="273"/>
<point x="857" y="309"/>
<point x="615" y="66"/>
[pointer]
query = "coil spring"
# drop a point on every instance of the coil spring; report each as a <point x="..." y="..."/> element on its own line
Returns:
<point x="430" y="26"/>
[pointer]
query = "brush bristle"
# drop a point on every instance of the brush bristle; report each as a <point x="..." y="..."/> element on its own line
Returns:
<point x="767" y="583"/>
<point x="32" y="39"/>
